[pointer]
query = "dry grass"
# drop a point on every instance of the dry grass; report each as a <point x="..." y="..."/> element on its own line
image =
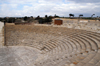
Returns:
<point x="10" y="23"/>
<point x="39" y="29"/>
<point x="75" y="19"/>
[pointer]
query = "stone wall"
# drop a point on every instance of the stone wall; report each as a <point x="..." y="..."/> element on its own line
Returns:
<point x="89" y="25"/>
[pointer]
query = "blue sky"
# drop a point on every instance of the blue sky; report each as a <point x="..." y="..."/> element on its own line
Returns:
<point x="20" y="8"/>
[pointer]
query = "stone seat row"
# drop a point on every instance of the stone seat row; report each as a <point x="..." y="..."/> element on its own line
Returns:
<point x="91" y="42"/>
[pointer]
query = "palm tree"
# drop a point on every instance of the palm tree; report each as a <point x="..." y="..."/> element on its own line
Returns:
<point x="80" y="15"/>
<point x="92" y="15"/>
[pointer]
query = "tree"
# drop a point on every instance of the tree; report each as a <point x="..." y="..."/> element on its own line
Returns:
<point x="71" y="15"/>
<point x="46" y="16"/>
<point x="37" y="18"/>
<point x="55" y="16"/>
<point x="80" y="15"/>
<point x="5" y="19"/>
<point x="11" y="20"/>
<point x="25" y="18"/>
<point x="31" y="17"/>
<point x="1" y="19"/>
<point x="48" y="19"/>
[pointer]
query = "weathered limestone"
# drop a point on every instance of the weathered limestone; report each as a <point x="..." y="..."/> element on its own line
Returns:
<point x="49" y="45"/>
<point x="91" y="25"/>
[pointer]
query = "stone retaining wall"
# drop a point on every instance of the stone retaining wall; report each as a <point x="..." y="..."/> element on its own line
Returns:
<point x="89" y="25"/>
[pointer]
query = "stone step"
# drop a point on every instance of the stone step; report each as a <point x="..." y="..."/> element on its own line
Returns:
<point x="93" y="61"/>
<point x="87" y="59"/>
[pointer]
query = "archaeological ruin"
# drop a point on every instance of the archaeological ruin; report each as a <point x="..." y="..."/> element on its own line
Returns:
<point x="71" y="43"/>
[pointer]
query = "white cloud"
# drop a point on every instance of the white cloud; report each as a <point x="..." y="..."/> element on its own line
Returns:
<point x="50" y="7"/>
<point x="84" y="1"/>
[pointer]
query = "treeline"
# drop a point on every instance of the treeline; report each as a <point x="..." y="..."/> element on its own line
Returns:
<point x="9" y="20"/>
<point x="41" y="20"/>
<point x="13" y="19"/>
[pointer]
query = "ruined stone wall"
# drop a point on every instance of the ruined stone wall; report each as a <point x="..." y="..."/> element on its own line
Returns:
<point x="89" y="25"/>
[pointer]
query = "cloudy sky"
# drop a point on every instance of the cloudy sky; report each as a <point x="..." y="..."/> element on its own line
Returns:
<point x="19" y="8"/>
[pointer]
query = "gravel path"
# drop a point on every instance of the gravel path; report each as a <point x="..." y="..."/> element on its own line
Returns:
<point x="1" y="37"/>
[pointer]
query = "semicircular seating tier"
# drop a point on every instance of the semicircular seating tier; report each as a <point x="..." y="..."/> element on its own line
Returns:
<point x="59" y="46"/>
